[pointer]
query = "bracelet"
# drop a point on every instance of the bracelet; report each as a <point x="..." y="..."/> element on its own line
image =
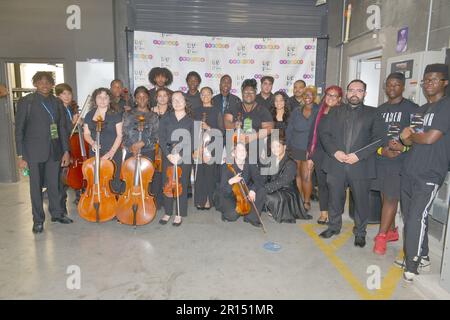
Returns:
<point x="380" y="151"/>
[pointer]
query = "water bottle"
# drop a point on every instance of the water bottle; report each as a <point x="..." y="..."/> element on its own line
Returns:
<point x="26" y="172"/>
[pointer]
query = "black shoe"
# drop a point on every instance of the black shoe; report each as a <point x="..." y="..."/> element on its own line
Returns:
<point x="38" y="227"/>
<point x="360" y="241"/>
<point x="322" y="222"/>
<point x="328" y="233"/>
<point x="255" y="224"/>
<point x="63" y="219"/>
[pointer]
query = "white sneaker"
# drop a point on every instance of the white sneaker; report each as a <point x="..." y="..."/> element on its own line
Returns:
<point x="408" y="277"/>
<point x="424" y="265"/>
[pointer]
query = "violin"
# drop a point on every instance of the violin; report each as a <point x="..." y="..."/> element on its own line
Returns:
<point x="243" y="203"/>
<point x="198" y="154"/>
<point x="135" y="206"/>
<point x="98" y="202"/>
<point x="238" y="132"/>
<point x="158" y="160"/>
<point x="173" y="188"/>
<point x="73" y="176"/>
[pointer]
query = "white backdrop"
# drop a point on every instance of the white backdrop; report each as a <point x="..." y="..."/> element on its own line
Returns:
<point x="285" y="59"/>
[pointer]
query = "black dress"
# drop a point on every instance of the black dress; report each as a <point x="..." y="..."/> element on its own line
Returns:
<point x="283" y="200"/>
<point x="205" y="174"/>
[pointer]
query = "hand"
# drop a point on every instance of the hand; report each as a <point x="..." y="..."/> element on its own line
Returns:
<point x="340" y="156"/>
<point x="136" y="147"/>
<point x="395" y="145"/>
<point x="252" y="196"/>
<point x="174" y="158"/>
<point x="205" y="126"/>
<point x="352" y="158"/>
<point x="127" y="108"/>
<point x="65" y="161"/>
<point x="75" y="118"/>
<point x="310" y="165"/>
<point x="388" y="153"/>
<point x="243" y="138"/>
<point x="236" y="179"/>
<point x="94" y="147"/>
<point x="109" y="155"/>
<point x="206" y="156"/>
<point x="22" y="164"/>
<point x="406" y="133"/>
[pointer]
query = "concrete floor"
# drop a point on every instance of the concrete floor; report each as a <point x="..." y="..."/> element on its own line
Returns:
<point x="205" y="258"/>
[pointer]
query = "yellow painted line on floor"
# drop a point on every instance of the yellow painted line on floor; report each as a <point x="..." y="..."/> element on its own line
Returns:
<point x="389" y="283"/>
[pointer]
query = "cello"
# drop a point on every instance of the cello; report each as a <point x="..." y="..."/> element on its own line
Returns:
<point x="172" y="187"/>
<point x="135" y="206"/>
<point x="243" y="203"/>
<point x="98" y="203"/>
<point x="73" y="176"/>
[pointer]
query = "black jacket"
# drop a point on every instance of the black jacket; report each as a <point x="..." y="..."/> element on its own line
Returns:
<point x="284" y="178"/>
<point x="32" y="129"/>
<point x="350" y="130"/>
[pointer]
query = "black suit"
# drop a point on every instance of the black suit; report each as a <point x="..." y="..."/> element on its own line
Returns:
<point x="231" y="102"/>
<point x="349" y="129"/>
<point x="43" y="155"/>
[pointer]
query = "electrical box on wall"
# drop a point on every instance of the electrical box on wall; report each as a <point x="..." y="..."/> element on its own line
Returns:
<point x="413" y="66"/>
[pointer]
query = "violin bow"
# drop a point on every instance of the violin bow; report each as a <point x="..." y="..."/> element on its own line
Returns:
<point x="254" y="206"/>
<point x="82" y="115"/>
<point x="176" y="186"/>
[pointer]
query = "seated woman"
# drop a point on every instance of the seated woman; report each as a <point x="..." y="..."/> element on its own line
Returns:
<point x="283" y="200"/>
<point x="250" y="174"/>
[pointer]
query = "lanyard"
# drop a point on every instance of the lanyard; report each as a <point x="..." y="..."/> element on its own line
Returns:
<point x="51" y="115"/>
<point x="69" y="113"/>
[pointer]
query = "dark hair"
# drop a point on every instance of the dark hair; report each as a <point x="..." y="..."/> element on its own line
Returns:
<point x="188" y="107"/>
<point x="43" y="75"/>
<point x="194" y="74"/>
<point x="116" y="80"/>
<point x="271" y="79"/>
<point x="398" y="76"/>
<point x="141" y="89"/>
<point x="249" y="83"/>
<point x="225" y="76"/>
<point x="169" y="95"/>
<point x="157" y="71"/>
<point x="304" y="83"/>
<point x="356" y="81"/>
<point x="61" y="87"/>
<point x="112" y="107"/>
<point x="282" y="139"/>
<point x="273" y="109"/>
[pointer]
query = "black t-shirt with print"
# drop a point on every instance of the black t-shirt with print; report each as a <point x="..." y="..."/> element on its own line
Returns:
<point x="430" y="161"/>
<point x="252" y="119"/>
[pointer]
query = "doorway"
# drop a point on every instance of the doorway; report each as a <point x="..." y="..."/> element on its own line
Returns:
<point x="367" y="67"/>
<point x="17" y="75"/>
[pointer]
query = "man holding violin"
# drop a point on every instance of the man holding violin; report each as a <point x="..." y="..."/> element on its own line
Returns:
<point x="42" y="146"/>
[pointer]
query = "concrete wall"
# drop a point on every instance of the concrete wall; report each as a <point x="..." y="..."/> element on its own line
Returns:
<point x="395" y="14"/>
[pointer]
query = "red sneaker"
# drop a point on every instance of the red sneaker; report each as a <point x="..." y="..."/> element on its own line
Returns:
<point x="380" y="244"/>
<point x="392" y="235"/>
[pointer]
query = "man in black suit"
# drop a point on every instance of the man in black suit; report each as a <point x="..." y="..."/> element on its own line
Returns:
<point x="350" y="140"/>
<point x="42" y="146"/>
<point x="225" y="99"/>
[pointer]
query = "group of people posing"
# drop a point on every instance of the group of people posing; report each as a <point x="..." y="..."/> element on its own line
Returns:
<point x="268" y="145"/>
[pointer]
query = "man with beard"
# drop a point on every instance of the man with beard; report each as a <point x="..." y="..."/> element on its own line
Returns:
<point x="351" y="138"/>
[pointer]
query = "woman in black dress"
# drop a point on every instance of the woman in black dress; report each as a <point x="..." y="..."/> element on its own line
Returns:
<point x="111" y="134"/>
<point x="206" y="169"/>
<point x="176" y="130"/>
<point x="280" y="110"/>
<point x="283" y="199"/>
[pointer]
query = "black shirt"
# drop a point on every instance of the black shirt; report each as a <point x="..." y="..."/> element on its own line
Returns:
<point x="108" y="134"/>
<point x="225" y="102"/>
<point x="167" y="125"/>
<point x="131" y="133"/>
<point x="214" y="117"/>
<point x="396" y="115"/>
<point x="293" y="103"/>
<point x="267" y="103"/>
<point x="250" y="174"/>
<point x="253" y="119"/>
<point x="194" y="99"/>
<point x="430" y="161"/>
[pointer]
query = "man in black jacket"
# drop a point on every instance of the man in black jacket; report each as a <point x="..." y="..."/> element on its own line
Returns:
<point x="225" y="99"/>
<point x="350" y="140"/>
<point x="42" y="146"/>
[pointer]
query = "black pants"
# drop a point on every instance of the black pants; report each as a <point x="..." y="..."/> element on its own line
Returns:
<point x="170" y="204"/>
<point x="49" y="172"/>
<point x="337" y="187"/>
<point x="416" y="197"/>
<point x="323" y="187"/>
<point x="228" y="207"/>
<point x="205" y="184"/>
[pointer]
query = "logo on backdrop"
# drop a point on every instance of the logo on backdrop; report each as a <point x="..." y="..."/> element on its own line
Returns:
<point x="192" y="59"/>
<point x="166" y="43"/>
<point x="291" y="51"/>
<point x="241" y="51"/>
<point x="217" y="45"/>
<point x="241" y="61"/>
<point x="292" y="61"/>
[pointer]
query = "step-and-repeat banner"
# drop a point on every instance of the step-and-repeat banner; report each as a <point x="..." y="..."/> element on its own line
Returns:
<point x="285" y="59"/>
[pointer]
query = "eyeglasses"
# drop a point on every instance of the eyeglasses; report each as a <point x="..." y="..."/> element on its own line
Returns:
<point x="356" y="90"/>
<point x="333" y="96"/>
<point x="431" y="81"/>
